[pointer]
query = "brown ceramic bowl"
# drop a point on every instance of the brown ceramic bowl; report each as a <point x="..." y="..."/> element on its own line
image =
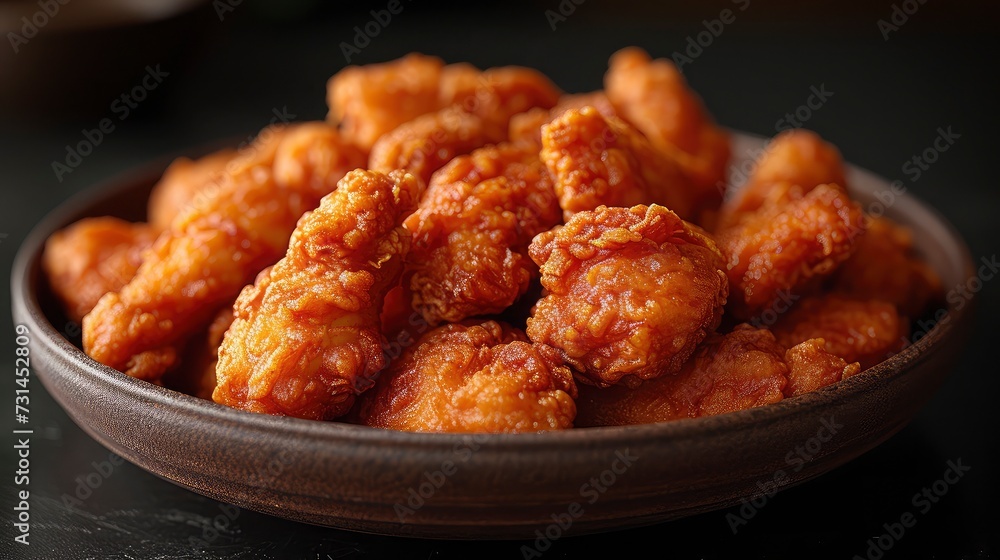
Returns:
<point x="489" y="486"/>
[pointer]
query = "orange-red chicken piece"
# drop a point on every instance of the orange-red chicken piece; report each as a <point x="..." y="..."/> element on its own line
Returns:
<point x="527" y="126"/>
<point x="597" y="160"/>
<point x="312" y="157"/>
<point x="181" y="183"/>
<point x="653" y="96"/>
<point x="369" y="101"/>
<point x="776" y="251"/>
<point x="306" y="339"/>
<point x="795" y="157"/>
<point x="210" y="252"/>
<point x="500" y="93"/>
<point x="630" y="292"/>
<point x="91" y="258"/>
<point x="425" y="144"/>
<point x="885" y="267"/>
<point x="473" y="378"/>
<point x="477" y="108"/>
<point x="736" y="371"/>
<point x="857" y="330"/>
<point x="811" y="367"/>
<point x="472" y="229"/>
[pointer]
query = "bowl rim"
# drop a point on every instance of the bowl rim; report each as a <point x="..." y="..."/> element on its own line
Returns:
<point x="25" y="273"/>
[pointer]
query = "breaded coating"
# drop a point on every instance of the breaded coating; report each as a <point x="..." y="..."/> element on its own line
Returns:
<point x="181" y="183"/>
<point x="500" y="93"/>
<point x="457" y="80"/>
<point x="477" y="109"/>
<point x="369" y="101"/>
<point x="885" y="267"/>
<point x="473" y="378"/>
<point x="787" y="243"/>
<point x="527" y="126"/>
<point x="91" y="258"/>
<point x="857" y="330"/>
<point x="630" y="292"/>
<point x="472" y="229"/>
<point x="736" y="371"/>
<point x="200" y="264"/>
<point x="598" y="160"/>
<point x="306" y="338"/>
<point x="653" y="96"/>
<point x="596" y="99"/>
<point x="312" y="157"/>
<point x="811" y="367"/>
<point x="425" y="144"/>
<point x="796" y="157"/>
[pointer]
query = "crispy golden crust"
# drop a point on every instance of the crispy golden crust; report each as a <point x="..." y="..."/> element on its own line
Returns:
<point x="306" y="336"/>
<point x="885" y="267"/>
<point x="473" y="378"/>
<point x="425" y="144"/>
<point x="811" y="367"/>
<point x="477" y="108"/>
<point x="91" y="258"/>
<point x="866" y="331"/>
<point x="527" y="126"/>
<point x="472" y="229"/>
<point x="211" y="251"/>
<point x="500" y="93"/>
<point x="736" y="371"/>
<point x="653" y="96"/>
<point x="597" y="160"/>
<point x="181" y="183"/>
<point x="787" y="243"/>
<point x="312" y="157"/>
<point x="631" y="292"/>
<point x="369" y="101"/>
<point x="795" y="157"/>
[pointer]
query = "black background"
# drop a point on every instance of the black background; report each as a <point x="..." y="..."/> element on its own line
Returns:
<point x="227" y="76"/>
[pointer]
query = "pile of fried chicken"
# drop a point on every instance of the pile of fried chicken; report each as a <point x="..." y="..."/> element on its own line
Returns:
<point x="458" y="250"/>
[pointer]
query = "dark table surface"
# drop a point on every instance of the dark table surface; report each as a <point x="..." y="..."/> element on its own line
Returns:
<point x="889" y="99"/>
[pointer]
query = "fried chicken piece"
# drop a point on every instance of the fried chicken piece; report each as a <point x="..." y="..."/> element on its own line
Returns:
<point x="596" y="99"/>
<point x="306" y="337"/>
<point x="312" y="157"/>
<point x="631" y="292"/>
<point x="599" y="160"/>
<point x="811" y="367"/>
<point x="425" y="144"/>
<point x="653" y="96"/>
<point x="457" y="80"/>
<point x="369" y="101"/>
<point x="857" y="330"/>
<point x="500" y="93"/>
<point x="527" y="126"/>
<point x="472" y="229"/>
<point x="885" y="267"/>
<point x="742" y="369"/>
<point x="477" y="109"/>
<point x="787" y="243"/>
<point x="473" y="378"/>
<point x="211" y="251"/>
<point x="796" y="157"/>
<point x="181" y="182"/>
<point x="91" y="258"/>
